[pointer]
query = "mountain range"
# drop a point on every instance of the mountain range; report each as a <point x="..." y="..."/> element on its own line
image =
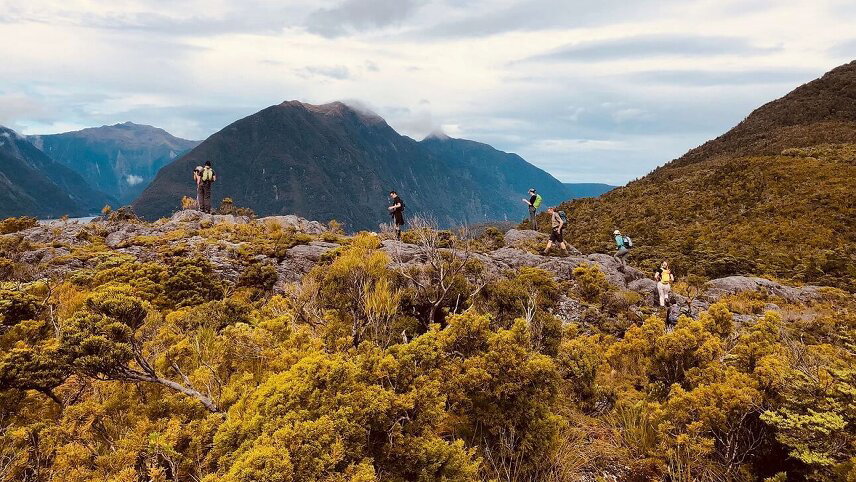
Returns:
<point x="32" y="184"/>
<point x="333" y="161"/>
<point x="773" y="195"/>
<point x="119" y="160"/>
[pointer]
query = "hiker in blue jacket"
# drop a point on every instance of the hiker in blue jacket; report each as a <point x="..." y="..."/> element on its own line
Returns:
<point x="623" y="244"/>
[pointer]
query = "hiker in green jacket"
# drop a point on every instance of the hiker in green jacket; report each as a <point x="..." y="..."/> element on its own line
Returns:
<point x="534" y="203"/>
<point x="557" y="225"/>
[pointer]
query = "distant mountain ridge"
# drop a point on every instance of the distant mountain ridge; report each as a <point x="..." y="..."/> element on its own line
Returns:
<point x="119" y="160"/>
<point x="32" y="184"/>
<point x="335" y="162"/>
<point x="774" y="195"/>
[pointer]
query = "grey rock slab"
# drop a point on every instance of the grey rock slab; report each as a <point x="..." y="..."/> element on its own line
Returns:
<point x="296" y="222"/>
<point x="514" y="237"/>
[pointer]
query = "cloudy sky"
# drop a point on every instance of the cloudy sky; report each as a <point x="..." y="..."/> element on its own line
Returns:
<point x="592" y="91"/>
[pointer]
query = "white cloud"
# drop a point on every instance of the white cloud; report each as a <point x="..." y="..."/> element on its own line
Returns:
<point x="133" y="179"/>
<point x="578" y="145"/>
<point x="647" y="80"/>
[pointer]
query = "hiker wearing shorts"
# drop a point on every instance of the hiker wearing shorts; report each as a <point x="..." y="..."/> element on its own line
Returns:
<point x="396" y="210"/>
<point x="664" y="278"/>
<point x="557" y="226"/>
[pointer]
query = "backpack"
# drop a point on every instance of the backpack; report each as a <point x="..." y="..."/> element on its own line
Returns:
<point x="564" y="217"/>
<point x="537" y="203"/>
<point x="628" y="243"/>
<point x="207" y="174"/>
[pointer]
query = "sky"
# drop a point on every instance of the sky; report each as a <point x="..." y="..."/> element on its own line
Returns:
<point x="590" y="91"/>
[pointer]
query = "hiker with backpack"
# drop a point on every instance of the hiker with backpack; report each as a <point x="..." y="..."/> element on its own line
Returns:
<point x="396" y="210"/>
<point x="664" y="277"/>
<point x="206" y="178"/>
<point x="558" y="220"/>
<point x="534" y="203"/>
<point x="673" y="312"/>
<point x="197" y="179"/>
<point x="624" y="243"/>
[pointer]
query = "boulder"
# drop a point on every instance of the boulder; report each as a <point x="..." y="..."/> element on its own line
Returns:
<point x="515" y="237"/>
<point x="42" y="255"/>
<point x="300" y="260"/>
<point x="647" y="288"/>
<point x="515" y="258"/>
<point x="196" y="218"/>
<point x="400" y="252"/>
<point x="57" y="232"/>
<point x="720" y="287"/>
<point x="296" y="222"/>
<point x="121" y="236"/>
<point x="562" y="268"/>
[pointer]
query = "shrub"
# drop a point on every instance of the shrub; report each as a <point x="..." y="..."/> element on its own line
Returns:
<point x="13" y="225"/>
<point x="260" y="276"/>
<point x="591" y="283"/>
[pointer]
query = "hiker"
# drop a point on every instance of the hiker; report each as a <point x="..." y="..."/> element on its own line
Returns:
<point x="534" y="203"/>
<point x="623" y="243"/>
<point x="557" y="225"/>
<point x="664" y="278"/>
<point x="206" y="178"/>
<point x="673" y="312"/>
<point x="396" y="210"/>
<point x="197" y="178"/>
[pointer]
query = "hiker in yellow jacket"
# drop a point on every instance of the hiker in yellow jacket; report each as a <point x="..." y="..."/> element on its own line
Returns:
<point x="664" y="278"/>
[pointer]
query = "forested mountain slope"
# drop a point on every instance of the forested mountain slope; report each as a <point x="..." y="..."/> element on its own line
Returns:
<point x="332" y="162"/>
<point x="774" y="195"/>
<point x="120" y="160"/>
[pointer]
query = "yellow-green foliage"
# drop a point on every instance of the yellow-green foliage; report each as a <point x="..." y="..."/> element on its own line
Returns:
<point x="791" y="216"/>
<point x="591" y="282"/>
<point x="13" y="225"/>
<point x="163" y="370"/>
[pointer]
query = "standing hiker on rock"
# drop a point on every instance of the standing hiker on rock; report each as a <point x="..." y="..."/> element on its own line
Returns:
<point x="664" y="278"/>
<point x="534" y="203"/>
<point x="396" y="210"/>
<point x="197" y="178"/>
<point x="557" y="225"/>
<point x="623" y="243"/>
<point x="203" y="187"/>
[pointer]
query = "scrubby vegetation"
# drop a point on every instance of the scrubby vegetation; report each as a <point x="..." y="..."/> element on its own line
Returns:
<point x="157" y="366"/>
<point x="790" y="216"/>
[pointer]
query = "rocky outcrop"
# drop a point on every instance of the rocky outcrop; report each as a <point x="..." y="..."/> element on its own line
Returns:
<point x="52" y="243"/>
<point x="296" y="222"/>
<point x="516" y="237"/>
<point x="198" y="218"/>
<point x="720" y="287"/>
<point x="300" y="260"/>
